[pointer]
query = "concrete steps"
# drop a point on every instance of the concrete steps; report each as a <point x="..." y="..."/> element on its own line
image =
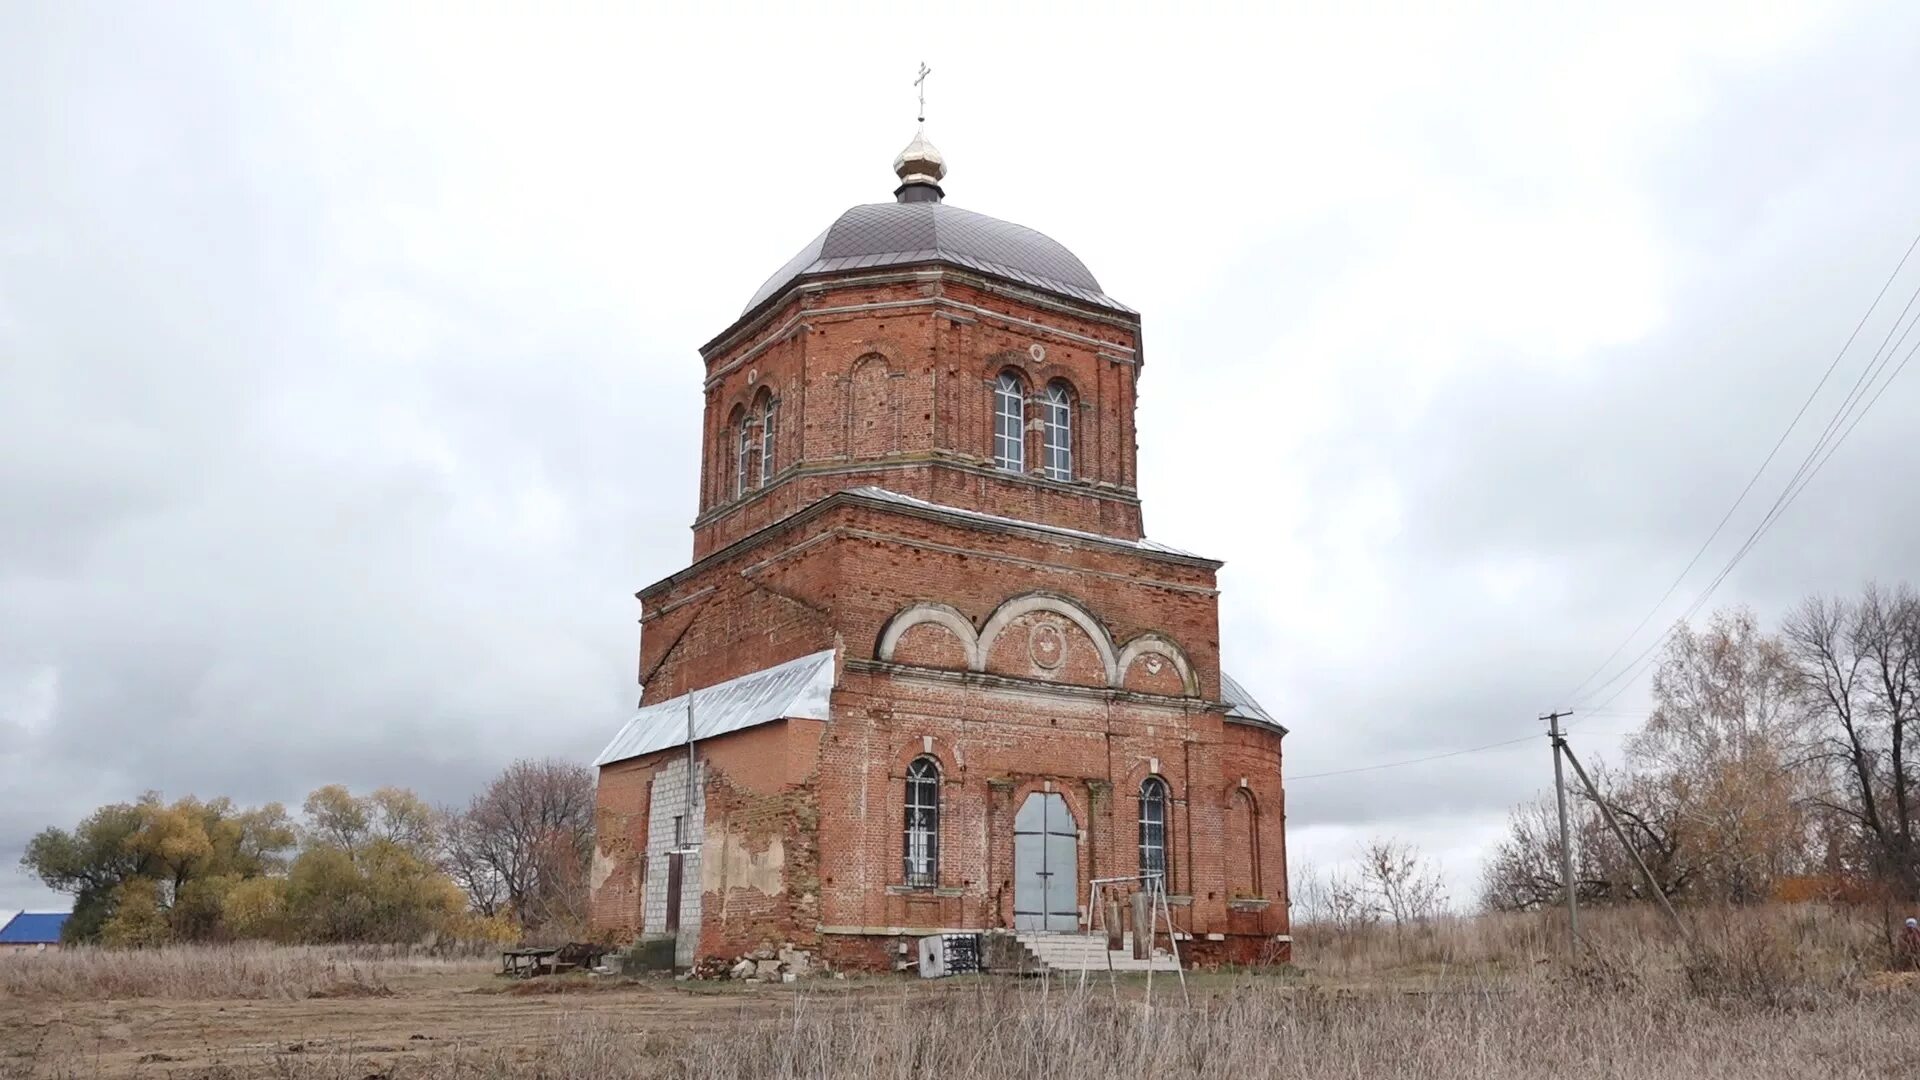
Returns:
<point x="1077" y="952"/>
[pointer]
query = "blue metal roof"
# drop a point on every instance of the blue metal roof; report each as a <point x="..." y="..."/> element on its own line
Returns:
<point x="33" y="928"/>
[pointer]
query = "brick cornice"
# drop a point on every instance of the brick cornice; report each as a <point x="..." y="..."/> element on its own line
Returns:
<point x="750" y="324"/>
<point x="920" y="458"/>
<point x="1041" y="687"/>
<point x="838" y="499"/>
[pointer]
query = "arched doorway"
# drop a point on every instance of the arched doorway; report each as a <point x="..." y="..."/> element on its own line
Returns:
<point x="1046" y="865"/>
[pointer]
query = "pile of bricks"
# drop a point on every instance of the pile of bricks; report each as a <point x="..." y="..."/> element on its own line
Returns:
<point x="768" y="964"/>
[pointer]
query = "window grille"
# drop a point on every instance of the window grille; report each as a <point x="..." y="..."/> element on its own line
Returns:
<point x="1009" y="424"/>
<point x="923" y="823"/>
<point x="1058" y="427"/>
<point x="1153" y="826"/>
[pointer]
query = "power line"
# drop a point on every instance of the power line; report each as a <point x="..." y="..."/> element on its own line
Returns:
<point x="1779" y="508"/>
<point x="1468" y="750"/>
<point x="1411" y="761"/>
<point x="1755" y="478"/>
<point x="1810" y="466"/>
<point x="1815" y="459"/>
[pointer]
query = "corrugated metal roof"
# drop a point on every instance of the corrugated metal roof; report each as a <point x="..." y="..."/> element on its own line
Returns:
<point x="795" y="690"/>
<point x="907" y="500"/>
<point x="33" y="928"/>
<point x="890" y="234"/>
<point x="1244" y="707"/>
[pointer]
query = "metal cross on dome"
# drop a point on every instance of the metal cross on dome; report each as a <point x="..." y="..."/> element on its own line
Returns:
<point x="920" y="82"/>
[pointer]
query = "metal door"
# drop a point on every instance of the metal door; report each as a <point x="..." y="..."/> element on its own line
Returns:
<point x="1046" y="865"/>
<point x="674" y="873"/>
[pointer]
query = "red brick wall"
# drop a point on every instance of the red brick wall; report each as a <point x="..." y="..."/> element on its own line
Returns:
<point x="620" y="842"/>
<point x="902" y="397"/>
<point x="759" y="860"/>
<point x="1242" y="950"/>
<point x="931" y="645"/>
<point x="804" y="819"/>
<point x="1238" y="843"/>
<point x="997" y="745"/>
<point x="838" y="577"/>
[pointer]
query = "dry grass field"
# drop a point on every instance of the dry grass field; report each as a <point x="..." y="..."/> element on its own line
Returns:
<point x="1796" y="993"/>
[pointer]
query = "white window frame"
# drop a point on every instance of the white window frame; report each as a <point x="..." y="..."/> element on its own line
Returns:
<point x="744" y="457"/>
<point x="1155" y="798"/>
<point x="766" y="441"/>
<point x="920" y="853"/>
<point x="1009" y="423"/>
<point x="1057" y="415"/>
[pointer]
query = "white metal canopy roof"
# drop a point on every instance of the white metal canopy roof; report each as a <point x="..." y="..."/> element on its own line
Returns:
<point x="795" y="690"/>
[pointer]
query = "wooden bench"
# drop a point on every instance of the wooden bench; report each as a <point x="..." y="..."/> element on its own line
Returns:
<point x="527" y="962"/>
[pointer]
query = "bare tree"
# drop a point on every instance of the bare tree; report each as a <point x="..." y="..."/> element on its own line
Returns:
<point x="1402" y="883"/>
<point x="464" y="858"/>
<point x="1306" y="893"/>
<point x="1858" y="669"/>
<point x="1767" y="757"/>
<point x="525" y="843"/>
<point x="1335" y="900"/>
<point x="1523" y="873"/>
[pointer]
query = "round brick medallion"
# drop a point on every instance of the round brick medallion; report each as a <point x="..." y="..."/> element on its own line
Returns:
<point x="1047" y="644"/>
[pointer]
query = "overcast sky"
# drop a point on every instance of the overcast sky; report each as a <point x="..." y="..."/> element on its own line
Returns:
<point x="348" y="384"/>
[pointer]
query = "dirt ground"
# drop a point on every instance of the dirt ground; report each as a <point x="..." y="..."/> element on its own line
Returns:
<point x="423" y="1013"/>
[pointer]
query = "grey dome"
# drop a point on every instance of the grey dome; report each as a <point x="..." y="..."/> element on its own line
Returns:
<point x="898" y="233"/>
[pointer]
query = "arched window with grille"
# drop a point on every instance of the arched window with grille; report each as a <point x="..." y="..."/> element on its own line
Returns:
<point x="923" y="823"/>
<point x="1153" y="828"/>
<point x="768" y="408"/>
<point x="1009" y="423"/>
<point x="743" y="461"/>
<point x="1057" y="427"/>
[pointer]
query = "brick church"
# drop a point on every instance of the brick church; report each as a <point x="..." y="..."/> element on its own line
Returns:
<point x="925" y="672"/>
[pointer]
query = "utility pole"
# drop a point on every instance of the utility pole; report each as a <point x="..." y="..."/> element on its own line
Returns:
<point x="1653" y="885"/>
<point x="1566" y="840"/>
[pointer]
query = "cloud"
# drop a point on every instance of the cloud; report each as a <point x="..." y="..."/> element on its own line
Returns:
<point x="350" y="386"/>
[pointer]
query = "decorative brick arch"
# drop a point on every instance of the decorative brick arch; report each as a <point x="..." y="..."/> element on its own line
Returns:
<point x="1128" y="785"/>
<point x="944" y="755"/>
<point x="1159" y="645"/>
<point x="1079" y="804"/>
<point x="1028" y="603"/>
<point x="938" y="614"/>
<point x="1014" y="360"/>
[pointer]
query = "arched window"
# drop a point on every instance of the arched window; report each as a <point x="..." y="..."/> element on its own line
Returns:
<point x="768" y="407"/>
<point x="923" y="823"/>
<point x="1009" y="423"/>
<point x="1153" y="827"/>
<point x="1057" y="417"/>
<point x="743" y="462"/>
